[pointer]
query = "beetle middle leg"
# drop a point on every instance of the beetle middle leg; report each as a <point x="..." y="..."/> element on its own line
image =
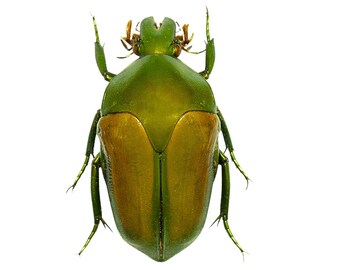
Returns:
<point x="97" y="210"/>
<point x="89" y="149"/>
<point x="229" y="144"/>
<point x="100" y="55"/>
<point x="223" y="161"/>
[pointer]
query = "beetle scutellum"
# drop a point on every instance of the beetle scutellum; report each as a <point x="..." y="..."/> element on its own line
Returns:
<point x="158" y="128"/>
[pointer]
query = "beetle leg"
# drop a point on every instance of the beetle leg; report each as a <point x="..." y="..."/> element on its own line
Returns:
<point x="97" y="210"/>
<point x="229" y="145"/>
<point x="209" y="52"/>
<point x="223" y="161"/>
<point x="100" y="55"/>
<point x="89" y="148"/>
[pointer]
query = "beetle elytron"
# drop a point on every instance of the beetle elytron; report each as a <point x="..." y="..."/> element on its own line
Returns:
<point x="158" y="128"/>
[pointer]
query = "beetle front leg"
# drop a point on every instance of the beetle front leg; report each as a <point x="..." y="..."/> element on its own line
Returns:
<point x="97" y="210"/>
<point x="223" y="161"/>
<point x="229" y="144"/>
<point x="209" y="52"/>
<point x="100" y="55"/>
<point x="89" y="149"/>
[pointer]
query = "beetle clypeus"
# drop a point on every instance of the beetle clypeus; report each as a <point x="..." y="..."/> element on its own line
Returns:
<point x="158" y="128"/>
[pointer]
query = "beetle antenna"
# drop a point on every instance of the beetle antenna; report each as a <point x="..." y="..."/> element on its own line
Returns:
<point x="185" y="40"/>
<point x="136" y="28"/>
<point x="126" y="56"/>
<point x="179" y="28"/>
<point x="188" y="50"/>
<point x="125" y="46"/>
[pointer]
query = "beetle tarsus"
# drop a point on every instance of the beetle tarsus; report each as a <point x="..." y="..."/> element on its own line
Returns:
<point x="86" y="161"/>
<point x="207" y="29"/>
<point x="227" y="228"/>
<point x="233" y="158"/>
<point x="95" y="227"/>
<point x="95" y="29"/>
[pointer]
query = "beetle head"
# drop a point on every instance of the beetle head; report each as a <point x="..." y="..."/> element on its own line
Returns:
<point x="154" y="39"/>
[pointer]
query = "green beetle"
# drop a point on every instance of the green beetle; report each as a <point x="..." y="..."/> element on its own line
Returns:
<point x="158" y="127"/>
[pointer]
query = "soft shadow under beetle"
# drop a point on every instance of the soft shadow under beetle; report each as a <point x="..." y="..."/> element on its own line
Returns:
<point x="158" y="128"/>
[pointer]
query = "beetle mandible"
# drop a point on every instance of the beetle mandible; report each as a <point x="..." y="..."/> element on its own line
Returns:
<point x="158" y="128"/>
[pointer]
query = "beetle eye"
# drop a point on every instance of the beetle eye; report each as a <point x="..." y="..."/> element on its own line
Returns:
<point x="137" y="41"/>
<point x="177" y="47"/>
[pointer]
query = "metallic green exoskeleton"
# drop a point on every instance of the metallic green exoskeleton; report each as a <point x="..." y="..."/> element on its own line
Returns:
<point x="158" y="128"/>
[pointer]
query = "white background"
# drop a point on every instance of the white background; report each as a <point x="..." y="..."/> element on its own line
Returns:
<point x="276" y="79"/>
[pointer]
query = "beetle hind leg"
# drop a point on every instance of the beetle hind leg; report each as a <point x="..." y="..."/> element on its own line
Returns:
<point x="97" y="210"/>
<point x="223" y="161"/>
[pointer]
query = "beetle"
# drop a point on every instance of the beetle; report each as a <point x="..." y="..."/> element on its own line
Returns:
<point x="158" y="128"/>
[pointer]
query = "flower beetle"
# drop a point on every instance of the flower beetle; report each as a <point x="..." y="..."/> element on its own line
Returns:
<point x="158" y="128"/>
